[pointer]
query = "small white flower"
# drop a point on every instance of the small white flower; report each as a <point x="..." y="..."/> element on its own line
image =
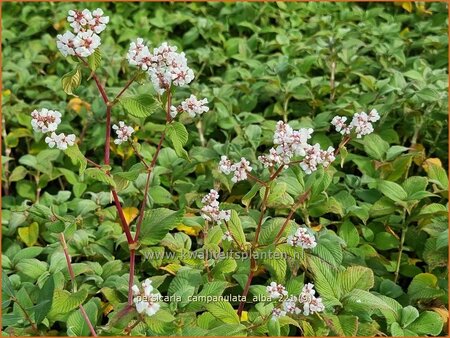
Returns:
<point x="290" y="306"/>
<point x="239" y="169"/>
<point x="79" y="19"/>
<point x="210" y="210"/>
<point x="311" y="304"/>
<point x="227" y="236"/>
<point x="225" y="165"/>
<point x="99" y="21"/>
<point x="302" y="239"/>
<point x="45" y="120"/>
<point x="65" y="43"/>
<point x="139" y="54"/>
<point x="145" y="301"/>
<point x="276" y="290"/>
<point x="86" y="42"/>
<point x="192" y="106"/>
<point x="123" y="132"/>
<point x="61" y="141"/>
<point x="277" y="313"/>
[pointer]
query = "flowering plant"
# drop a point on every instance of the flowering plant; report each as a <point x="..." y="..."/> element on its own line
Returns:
<point x="222" y="183"/>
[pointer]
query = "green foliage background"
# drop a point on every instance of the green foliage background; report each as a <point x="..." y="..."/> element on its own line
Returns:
<point x="256" y="63"/>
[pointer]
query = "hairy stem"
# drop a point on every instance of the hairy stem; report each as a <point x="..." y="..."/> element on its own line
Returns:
<point x="74" y="285"/>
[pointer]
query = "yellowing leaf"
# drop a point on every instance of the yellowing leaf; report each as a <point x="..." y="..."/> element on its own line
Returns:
<point x="171" y="268"/>
<point x="107" y="308"/>
<point x="244" y="316"/>
<point x="421" y="9"/>
<point x="420" y="150"/>
<point x="29" y="235"/>
<point x="76" y="104"/>
<point x="407" y="6"/>
<point x="130" y="214"/>
<point x="317" y="227"/>
<point x="7" y="92"/>
<point x="189" y="230"/>
<point x="404" y="32"/>
<point x="430" y="162"/>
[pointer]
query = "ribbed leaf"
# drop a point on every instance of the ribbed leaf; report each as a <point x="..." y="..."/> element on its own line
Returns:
<point x="223" y="311"/>
<point x="139" y="106"/>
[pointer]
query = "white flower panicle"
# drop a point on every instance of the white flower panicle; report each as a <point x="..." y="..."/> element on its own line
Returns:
<point x="227" y="236"/>
<point x="311" y="304"/>
<point x="86" y="25"/>
<point x="45" y="120"/>
<point x="192" y="106"/>
<point x="276" y="290"/>
<point x="315" y="156"/>
<point x="239" y="169"/>
<point x="306" y="302"/>
<point x="144" y="300"/>
<point x="211" y="211"/>
<point x="290" y="142"/>
<point x="302" y="239"/>
<point x="123" y="132"/>
<point x="61" y="141"/>
<point x="139" y="54"/>
<point x="165" y="65"/>
<point x="361" y="123"/>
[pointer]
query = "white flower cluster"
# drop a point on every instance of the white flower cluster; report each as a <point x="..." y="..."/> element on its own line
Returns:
<point x="144" y="300"/>
<point x="61" y="141"/>
<point x="86" y="25"/>
<point x="290" y="143"/>
<point x="239" y="169"/>
<point x="192" y="106"/>
<point x="311" y="304"/>
<point x="165" y="65"/>
<point x="47" y="121"/>
<point x="361" y="123"/>
<point x="210" y="210"/>
<point x="123" y="132"/>
<point x="276" y="290"/>
<point x="302" y="239"/>
<point x="294" y="305"/>
<point x="315" y="156"/>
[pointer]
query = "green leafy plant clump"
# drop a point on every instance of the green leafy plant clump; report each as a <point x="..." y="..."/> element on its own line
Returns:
<point x="224" y="169"/>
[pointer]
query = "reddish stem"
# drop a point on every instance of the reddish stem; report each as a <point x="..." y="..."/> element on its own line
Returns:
<point x="126" y="87"/>
<point x="131" y="276"/>
<point x="247" y="286"/>
<point x="301" y="200"/>
<point x="123" y="220"/>
<point x="108" y="134"/>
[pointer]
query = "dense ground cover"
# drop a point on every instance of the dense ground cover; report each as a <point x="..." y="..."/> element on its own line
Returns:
<point x="378" y="214"/>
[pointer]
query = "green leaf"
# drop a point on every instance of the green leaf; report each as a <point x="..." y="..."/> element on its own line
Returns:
<point x="428" y="323"/>
<point x="375" y="146"/>
<point x="31" y="268"/>
<point x="223" y="311"/>
<point x="157" y="223"/>
<point x="99" y="175"/>
<point x="236" y="229"/>
<point x="76" y="324"/>
<point x="356" y="277"/>
<point x="30" y="234"/>
<point x="343" y="325"/>
<point x="64" y="301"/>
<point x="18" y="173"/>
<point x="424" y="286"/>
<point x="46" y="298"/>
<point x="325" y="280"/>
<point x="349" y="233"/>
<point x="392" y="190"/>
<point x="274" y="328"/>
<point x="94" y="60"/>
<point x="408" y="315"/>
<point x="438" y="175"/>
<point x="77" y="157"/>
<point x="7" y="287"/>
<point x="178" y="135"/>
<point x="139" y="106"/>
<point x="71" y="80"/>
